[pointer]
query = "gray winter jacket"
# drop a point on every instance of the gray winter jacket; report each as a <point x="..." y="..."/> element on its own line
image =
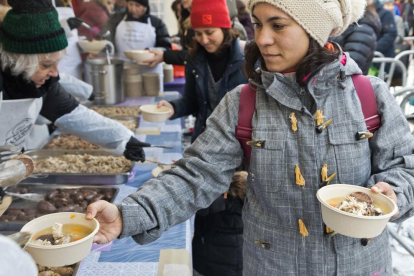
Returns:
<point x="274" y="202"/>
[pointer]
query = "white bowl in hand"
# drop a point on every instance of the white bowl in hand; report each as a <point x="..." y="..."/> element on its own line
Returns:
<point x="151" y="113"/>
<point x="352" y="225"/>
<point x="139" y="55"/>
<point x="65" y="254"/>
<point x="92" y="47"/>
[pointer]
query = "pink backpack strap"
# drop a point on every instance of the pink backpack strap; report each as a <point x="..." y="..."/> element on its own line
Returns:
<point x="366" y="96"/>
<point x="244" y="127"/>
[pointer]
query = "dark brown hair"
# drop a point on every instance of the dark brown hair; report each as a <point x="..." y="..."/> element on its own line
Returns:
<point x="315" y="57"/>
<point x="230" y="35"/>
<point x="238" y="185"/>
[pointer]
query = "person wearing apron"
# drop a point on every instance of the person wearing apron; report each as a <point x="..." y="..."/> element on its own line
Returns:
<point x="136" y="29"/>
<point x="30" y="84"/>
<point x="71" y="63"/>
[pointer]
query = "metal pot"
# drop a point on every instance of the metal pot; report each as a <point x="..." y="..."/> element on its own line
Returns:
<point x="106" y="80"/>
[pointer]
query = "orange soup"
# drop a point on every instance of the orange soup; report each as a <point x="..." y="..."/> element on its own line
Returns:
<point x="76" y="231"/>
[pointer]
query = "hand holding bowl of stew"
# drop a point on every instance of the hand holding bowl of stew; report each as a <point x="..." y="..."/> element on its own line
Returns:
<point x="355" y="211"/>
<point x="60" y="239"/>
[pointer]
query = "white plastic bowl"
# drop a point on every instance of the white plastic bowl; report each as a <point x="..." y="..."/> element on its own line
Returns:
<point x="349" y="224"/>
<point x="93" y="47"/>
<point x="65" y="254"/>
<point x="138" y="55"/>
<point x="151" y="113"/>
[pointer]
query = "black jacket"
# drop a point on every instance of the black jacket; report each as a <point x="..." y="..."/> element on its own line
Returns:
<point x="56" y="101"/>
<point x="162" y="37"/>
<point x="385" y="40"/>
<point x="408" y="13"/>
<point x="360" y="42"/>
<point x="195" y="96"/>
<point x="218" y="238"/>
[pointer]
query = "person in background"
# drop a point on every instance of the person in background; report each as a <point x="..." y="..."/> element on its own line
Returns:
<point x="120" y="6"/>
<point x="385" y="40"/>
<point x="399" y="5"/>
<point x="245" y="19"/>
<point x="389" y="5"/>
<point x="300" y="73"/>
<point x="218" y="233"/>
<point x="235" y="23"/>
<point x="94" y="13"/>
<point x="360" y="39"/>
<point x="187" y="35"/>
<point x="29" y="70"/>
<point x="408" y="15"/>
<point x="136" y="29"/>
<point x="215" y="66"/>
<point x="176" y="7"/>
<point x="71" y="62"/>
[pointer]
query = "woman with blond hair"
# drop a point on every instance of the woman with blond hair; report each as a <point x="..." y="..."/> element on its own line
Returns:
<point x="300" y="76"/>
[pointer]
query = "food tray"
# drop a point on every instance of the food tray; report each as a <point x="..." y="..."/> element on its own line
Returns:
<point x="126" y="106"/>
<point x="57" y="133"/>
<point x="14" y="226"/>
<point x="136" y="119"/>
<point x="75" y="178"/>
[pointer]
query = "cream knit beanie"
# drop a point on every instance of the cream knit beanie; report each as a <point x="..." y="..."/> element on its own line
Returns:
<point x="320" y="18"/>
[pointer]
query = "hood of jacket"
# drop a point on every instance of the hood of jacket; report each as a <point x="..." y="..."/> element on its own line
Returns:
<point x="325" y="74"/>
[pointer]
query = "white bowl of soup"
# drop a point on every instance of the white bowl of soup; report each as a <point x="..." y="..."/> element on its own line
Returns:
<point x="52" y="255"/>
<point x="154" y="114"/>
<point x="139" y="55"/>
<point x="351" y="224"/>
<point x="92" y="47"/>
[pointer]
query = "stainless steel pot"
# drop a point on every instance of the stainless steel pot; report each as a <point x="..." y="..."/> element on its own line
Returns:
<point x="106" y="80"/>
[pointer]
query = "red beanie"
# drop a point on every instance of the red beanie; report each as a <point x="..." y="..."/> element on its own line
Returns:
<point x="210" y="14"/>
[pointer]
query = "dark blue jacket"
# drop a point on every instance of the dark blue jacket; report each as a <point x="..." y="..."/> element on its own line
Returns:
<point x="195" y="96"/>
<point x="360" y="41"/>
<point x="385" y="42"/>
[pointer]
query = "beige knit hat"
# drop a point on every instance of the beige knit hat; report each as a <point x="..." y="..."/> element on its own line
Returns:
<point x="320" y="18"/>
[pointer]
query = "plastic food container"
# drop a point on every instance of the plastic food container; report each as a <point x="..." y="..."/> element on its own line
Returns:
<point x="65" y="254"/>
<point x="349" y="224"/>
<point x="151" y="113"/>
<point x="93" y="47"/>
<point x="138" y="55"/>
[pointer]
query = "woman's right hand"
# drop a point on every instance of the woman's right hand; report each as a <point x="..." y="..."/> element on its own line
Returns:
<point x="158" y="58"/>
<point x="166" y="104"/>
<point x="110" y="220"/>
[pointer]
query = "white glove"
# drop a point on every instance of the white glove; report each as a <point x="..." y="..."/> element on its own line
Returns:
<point x="95" y="128"/>
<point x="14" y="260"/>
<point x="77" y="88"/>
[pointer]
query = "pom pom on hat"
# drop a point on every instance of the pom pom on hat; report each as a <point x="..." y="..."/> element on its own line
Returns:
<point x="352" y="11"/>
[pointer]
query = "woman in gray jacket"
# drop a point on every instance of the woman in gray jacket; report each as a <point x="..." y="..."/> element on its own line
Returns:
<point x="299" y="73"/>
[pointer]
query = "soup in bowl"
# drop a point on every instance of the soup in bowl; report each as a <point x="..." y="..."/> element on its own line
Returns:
<point x="60" y="239"/>
<point x="353" y="217"/>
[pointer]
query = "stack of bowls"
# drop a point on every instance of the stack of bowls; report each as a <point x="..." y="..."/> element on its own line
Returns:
<point x="132" y="82"/>
<point x="168" y="72"/>
<point x="152" y="83"/>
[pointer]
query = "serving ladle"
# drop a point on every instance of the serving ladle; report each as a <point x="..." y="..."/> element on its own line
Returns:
<point x="21" y="238"/>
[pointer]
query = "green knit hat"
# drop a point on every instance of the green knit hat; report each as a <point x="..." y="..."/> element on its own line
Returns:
<point x="32" y="27"/>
